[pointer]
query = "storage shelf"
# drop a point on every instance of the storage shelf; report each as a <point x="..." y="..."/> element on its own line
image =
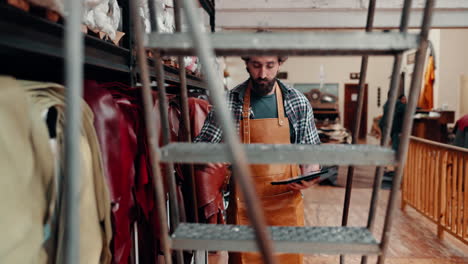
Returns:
<point x="32" y="43"/>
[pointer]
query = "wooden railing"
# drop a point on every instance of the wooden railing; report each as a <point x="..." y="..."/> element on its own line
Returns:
<point x="435" y="183"/>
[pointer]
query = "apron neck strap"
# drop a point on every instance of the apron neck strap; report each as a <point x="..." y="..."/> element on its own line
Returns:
<point x="246" y="111"/>
<point x="279" y="104"/>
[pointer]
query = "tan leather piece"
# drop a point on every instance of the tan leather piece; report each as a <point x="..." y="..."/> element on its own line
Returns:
<point x="281" y="206"/>
<point x="26" y="176"/>
<point x="94" y="194"/>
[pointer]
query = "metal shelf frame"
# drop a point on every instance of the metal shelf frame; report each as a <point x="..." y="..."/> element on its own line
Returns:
<point x="29" y="37"/>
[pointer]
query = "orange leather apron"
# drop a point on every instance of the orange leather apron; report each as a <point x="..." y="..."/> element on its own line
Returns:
<point x="281" y="206"/>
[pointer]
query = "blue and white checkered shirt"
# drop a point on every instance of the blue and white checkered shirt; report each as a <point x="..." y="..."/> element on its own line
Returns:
<point x="297" y="109"/>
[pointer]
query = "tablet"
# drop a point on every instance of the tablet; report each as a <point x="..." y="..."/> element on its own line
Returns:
<point x="308" y="177"/>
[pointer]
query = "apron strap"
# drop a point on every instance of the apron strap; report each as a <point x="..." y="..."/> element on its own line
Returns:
<point x="246" y="111"/>
<point x="246" y="116"/>
<point x="279" y="103"/>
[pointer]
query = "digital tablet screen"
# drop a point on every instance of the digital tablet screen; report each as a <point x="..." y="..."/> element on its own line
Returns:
<point x="307" y="177"/>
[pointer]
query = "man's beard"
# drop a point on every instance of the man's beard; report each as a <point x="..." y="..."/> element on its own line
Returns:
<point x="262" y="87"/>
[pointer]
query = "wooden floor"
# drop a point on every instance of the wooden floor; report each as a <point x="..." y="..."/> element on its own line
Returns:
<point x="413" y="238"/>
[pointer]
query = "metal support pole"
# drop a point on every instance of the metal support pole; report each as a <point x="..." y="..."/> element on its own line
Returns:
<point x="128" y="41"/>
<point x="185" y="109"/>
<point x="394" y="85"/>
<point x="362" y="86"/>
<point x="163" y="109"/>
<point x="213" y="18"/>
<point x="136" y="248"/>
<point x="152" y="136"/>
<point x="174" y="210"/>
<point x="407" y="126"/>
<point x="237" y="154"/>
<point x="201" y="257"/>
<point x="74" y="49"/>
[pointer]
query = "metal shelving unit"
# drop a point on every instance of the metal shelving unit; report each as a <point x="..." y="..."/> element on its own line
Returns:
<point x="32" y="47"/>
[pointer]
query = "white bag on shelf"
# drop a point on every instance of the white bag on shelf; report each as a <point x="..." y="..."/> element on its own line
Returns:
<point x="103" y="16"/>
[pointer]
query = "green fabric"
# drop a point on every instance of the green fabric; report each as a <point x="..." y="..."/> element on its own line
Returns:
<point x="266" y="107"/>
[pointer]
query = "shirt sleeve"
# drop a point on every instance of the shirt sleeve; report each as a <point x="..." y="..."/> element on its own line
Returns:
<point x="309" y="135"/>
<point x="210" y="132"/>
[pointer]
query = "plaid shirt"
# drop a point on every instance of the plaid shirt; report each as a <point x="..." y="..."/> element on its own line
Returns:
<point x="297" y="109"/>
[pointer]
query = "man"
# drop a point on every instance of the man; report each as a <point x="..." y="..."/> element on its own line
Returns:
<point x="267" y="111"/>
<point x="461" y="132"/>
<point x="397" y="124"/>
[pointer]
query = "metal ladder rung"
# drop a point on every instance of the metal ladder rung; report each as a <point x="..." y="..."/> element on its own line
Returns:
<point x="290" y="153"/>
<point x="290" y="239"/>
<point x="317" y="43"/>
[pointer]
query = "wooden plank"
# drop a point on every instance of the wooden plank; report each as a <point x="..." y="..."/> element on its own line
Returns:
<point x="421" y="178"/>
<point x="404" y="182"/>
<point x="431" y="192"/>
<point x="449" y="192"/>
<point x="425" y="181"/>
<point x="407" y="179"/>
<point x="465" y="209"/>
<point x="417" y="157"/>
<point x="418" y="178"/>
<point x="460" y="205"/>
<point x="427" y="178"/>
<point x="443" y="190"/>
<point x="412" y="172"/>
<point x="414" y="175"/>
<point x="453" y="197"/>
<point x="436" y="201"/>
<point x="408" y="175"/>
<point x="442" y="196"/>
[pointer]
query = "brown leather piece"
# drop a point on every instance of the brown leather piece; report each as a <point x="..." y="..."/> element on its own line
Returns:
<point x="210" y="178"/>
<point x="210" y="181"/>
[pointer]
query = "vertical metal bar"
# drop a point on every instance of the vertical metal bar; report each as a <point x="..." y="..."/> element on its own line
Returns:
<point x="152" y="136"/>
<point x="407" y="125"/>
<point x="213" y="17"/>
<point x="135" y="246"/>
<point x="237" y="154"/>
<point x="394" y="85"/>
<point x="174" y="212"/>
<point x="163" y="109"/>
<point x="201" y="257"/>
<point x="152" y="15"/>
<point x="362" y="93"/>
<point x="185" y="108"/>
<point x="128" y="41"/>
<point x="74" y="49"/>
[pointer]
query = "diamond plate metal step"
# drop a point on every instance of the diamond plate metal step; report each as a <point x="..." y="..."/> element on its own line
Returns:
<point x="326" y="240"/>
<point x="316" y="43"/>
<point x="328" y="154"/>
